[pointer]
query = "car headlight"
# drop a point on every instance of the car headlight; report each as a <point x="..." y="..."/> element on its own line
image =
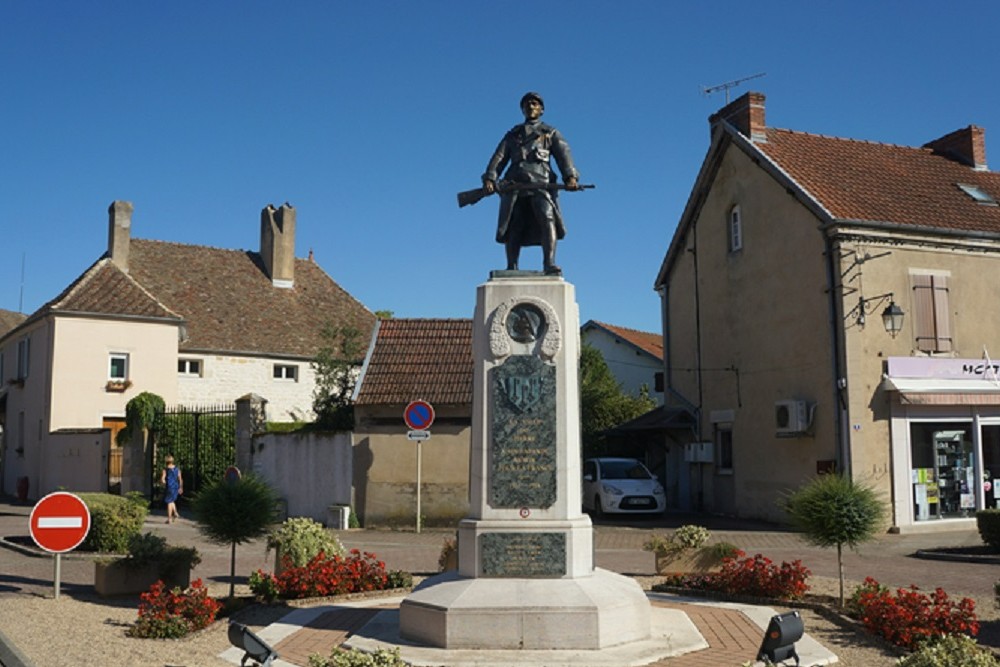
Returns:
<point x="613" y="490"/>
<point x="658" y="490"/>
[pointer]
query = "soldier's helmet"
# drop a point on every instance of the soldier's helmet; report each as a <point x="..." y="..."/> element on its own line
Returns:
<point x="532" y="96"/>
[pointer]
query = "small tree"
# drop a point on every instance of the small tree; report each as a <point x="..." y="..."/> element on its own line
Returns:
<point x="603" y="404"/>
<point x="832" y="510"/>
<point x="234" y="513"/>
<point x="140" y="412"/>
<point x="336" y="368"/>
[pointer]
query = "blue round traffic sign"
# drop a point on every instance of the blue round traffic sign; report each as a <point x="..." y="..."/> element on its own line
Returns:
<point x="419" y="415"/>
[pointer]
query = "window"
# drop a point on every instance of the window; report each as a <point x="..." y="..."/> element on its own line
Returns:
<point x="286" y="372"/>
<point x="724" y="448"/>
<point x="943" y="477"/>
<point x="977" y="193"/>
<point x="189" y="367"/>
<point x="23" y="356"/>
<point x="735" y="229"/>
<point x="931" y="317"/>
<point x="117" y="367"/>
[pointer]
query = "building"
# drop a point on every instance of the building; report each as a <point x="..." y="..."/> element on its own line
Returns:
<point x="193" y="324"/>
<point x="634" y="357"/>
<point x="409" y="360"/>
<point x="828" y="306"/>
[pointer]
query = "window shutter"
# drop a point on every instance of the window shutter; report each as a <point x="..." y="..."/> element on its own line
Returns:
<point x="923" y="312"/>
<point x="942" y="323"/>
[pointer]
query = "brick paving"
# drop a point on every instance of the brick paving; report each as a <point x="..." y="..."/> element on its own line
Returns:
<point x="324" y="633"/>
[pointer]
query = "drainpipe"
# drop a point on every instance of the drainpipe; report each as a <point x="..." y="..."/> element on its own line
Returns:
<point x="839" y="378"/>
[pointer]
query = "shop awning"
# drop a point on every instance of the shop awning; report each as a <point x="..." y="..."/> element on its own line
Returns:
<point x="945" y="391"/>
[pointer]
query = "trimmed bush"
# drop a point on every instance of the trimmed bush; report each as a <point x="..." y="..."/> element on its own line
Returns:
<point x="114" y="521"/>
<point x="950" y="651"/>
<point x="988" y="523"/>
<point x="299" y="539"/>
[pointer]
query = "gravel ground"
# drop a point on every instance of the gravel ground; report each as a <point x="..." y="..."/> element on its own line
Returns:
<point x="88" y="630"/>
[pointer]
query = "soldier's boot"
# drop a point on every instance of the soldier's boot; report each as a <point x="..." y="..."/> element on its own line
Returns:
<point x="549" y="252"/>
<point x="513" y="252"/>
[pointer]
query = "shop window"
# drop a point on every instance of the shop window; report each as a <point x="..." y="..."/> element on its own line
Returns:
<point x="932" y="320"/>
<point x="943" y="477"/>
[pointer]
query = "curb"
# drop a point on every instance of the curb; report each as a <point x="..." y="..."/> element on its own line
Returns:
<point x="10" y="656"/>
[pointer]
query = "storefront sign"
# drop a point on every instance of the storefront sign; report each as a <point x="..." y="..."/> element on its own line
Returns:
<point x="933" y="367"/>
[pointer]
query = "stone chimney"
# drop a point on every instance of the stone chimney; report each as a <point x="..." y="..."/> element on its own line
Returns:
<point x="967" y="146"/>
<point x="746" y="114"/>
<point x="277" y="244"/>
<point x="119" y="233"/>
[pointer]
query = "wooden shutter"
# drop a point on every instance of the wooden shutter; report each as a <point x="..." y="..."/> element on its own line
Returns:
<point x="931" y="316"/>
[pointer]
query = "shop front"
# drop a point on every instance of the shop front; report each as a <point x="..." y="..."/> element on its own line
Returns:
<point x="945" y="438"/>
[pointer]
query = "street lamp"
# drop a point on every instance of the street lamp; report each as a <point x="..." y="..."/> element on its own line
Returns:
<point x="892" y="316"/>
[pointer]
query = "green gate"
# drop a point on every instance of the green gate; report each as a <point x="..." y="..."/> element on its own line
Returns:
<point x="202" y="441"/>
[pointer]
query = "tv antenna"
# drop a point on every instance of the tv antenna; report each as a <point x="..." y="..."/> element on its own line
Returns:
<point x="708" y="90"/>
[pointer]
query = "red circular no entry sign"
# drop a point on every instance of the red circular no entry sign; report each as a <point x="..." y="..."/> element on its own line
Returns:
<point x="419" y="415"/>
<point x="59" y="522"/>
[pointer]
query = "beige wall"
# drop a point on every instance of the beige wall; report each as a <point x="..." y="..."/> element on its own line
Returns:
<point x="385" y="465"/>
<point x="764" y="333"/>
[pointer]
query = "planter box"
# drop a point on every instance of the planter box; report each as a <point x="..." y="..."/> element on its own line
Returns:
<point x="114" y="578"/>
<point x="699" y="561"/>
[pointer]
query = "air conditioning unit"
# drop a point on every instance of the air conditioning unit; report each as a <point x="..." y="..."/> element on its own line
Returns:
<point x="791" y="417"/>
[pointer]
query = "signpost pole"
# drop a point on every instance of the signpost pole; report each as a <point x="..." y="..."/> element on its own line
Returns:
<point x="420" y="447"/>
<point x="57" y="577"/>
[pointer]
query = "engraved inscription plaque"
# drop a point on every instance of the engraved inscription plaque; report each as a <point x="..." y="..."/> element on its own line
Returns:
<point x="523" y="554"/>
<point x="523" y="443"/>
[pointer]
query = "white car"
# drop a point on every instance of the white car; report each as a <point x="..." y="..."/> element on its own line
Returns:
<point x="621" y="485"/>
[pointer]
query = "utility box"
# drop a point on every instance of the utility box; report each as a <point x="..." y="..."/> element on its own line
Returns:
<point x="338" y="517"/>
<point x="698" y="452"/>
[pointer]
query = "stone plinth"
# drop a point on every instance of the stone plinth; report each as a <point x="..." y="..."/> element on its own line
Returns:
<point x="526" y="576"/>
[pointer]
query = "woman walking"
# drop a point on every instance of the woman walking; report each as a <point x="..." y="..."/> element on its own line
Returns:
<point x="172" y="479"/>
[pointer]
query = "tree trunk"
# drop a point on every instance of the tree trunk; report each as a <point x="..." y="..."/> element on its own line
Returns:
<point x="232" y="576"/>
<point x="840" y="570"/>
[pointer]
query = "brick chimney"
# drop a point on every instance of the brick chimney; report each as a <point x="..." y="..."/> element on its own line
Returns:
<point x="119" y="233"/>
<point x="967" y="146"/>
<point x="746" y="114"/>
<point x="277" y="244"/>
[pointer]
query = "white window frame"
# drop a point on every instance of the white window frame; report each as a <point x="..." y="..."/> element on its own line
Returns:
<point x="735" y="229"/>
<point x="285" y="373"/>
<point x="184" y="365"/>
<point x="115" y="356"/>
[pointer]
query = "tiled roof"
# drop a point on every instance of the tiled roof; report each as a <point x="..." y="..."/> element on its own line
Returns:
<point x="9" y="320"/>
<point x="652" y="343"/>
<point x="230" y="305"/>
<point x="866" y="181"/>
<point x="107" y="290"/>
<point x="429" y="359"/>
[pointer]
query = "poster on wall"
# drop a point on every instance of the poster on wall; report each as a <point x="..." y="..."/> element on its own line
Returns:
<point x="968" y="501"/>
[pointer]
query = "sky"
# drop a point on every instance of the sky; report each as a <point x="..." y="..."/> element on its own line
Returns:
<point x="368" y="118"/>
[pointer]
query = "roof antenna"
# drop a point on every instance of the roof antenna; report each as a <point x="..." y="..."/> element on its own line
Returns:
<point x="708" y="90"/>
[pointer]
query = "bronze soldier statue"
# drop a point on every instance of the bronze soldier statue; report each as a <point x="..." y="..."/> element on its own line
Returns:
<point x="529" y="207"/>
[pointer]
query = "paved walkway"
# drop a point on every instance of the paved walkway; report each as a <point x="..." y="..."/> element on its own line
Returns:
<point x="617" y="547"/>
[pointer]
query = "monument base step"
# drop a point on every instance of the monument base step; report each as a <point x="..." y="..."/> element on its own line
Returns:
<point x="594" y="612"/>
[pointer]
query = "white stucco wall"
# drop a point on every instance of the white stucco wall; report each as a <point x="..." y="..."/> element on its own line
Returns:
<point x="226" y="378"/>
<point x="632" y="368"/>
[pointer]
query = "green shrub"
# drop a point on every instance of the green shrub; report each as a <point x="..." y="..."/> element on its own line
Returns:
<point x="399" y="579"/>
<point x="300" y="539"/>
<point x="149" y="549"/>
<point x="950" y="651"/>
<point x="988" y="523"/>
<point x="114" y="521"/>
<point x="687" y="537"/>
<point x="356" y="658"/>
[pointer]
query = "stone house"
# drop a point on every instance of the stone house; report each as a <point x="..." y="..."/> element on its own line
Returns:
<point x="828" y="305"/>
<point x="190" y="323"/>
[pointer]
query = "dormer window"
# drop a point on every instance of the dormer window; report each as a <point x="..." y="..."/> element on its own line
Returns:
<point x="735" y="229"/>
<point x="978" y="194"/>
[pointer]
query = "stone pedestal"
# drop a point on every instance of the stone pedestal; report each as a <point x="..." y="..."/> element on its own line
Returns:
<point x="526" y="576"/>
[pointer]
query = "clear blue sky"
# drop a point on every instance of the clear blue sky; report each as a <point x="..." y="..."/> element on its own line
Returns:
<point x="368" y="117"/>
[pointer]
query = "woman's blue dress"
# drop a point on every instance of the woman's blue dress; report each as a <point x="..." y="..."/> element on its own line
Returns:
<point x="173" y="485"/>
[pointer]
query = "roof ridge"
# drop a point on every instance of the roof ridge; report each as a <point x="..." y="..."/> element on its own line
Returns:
<point x="849" y="139"/>
<point x="89" y="275"/>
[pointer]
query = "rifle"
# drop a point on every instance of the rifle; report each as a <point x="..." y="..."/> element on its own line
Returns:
<point x="473" y="196"/>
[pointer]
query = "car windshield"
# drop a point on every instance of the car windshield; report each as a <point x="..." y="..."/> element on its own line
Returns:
<point x="623" y="470"/>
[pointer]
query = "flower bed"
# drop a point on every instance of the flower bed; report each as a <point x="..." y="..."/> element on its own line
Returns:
<point x="325" y="576"/>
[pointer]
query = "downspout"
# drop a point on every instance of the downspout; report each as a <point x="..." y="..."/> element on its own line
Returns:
<point x="839" y="378"/>
<point x="700" y="492"/>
